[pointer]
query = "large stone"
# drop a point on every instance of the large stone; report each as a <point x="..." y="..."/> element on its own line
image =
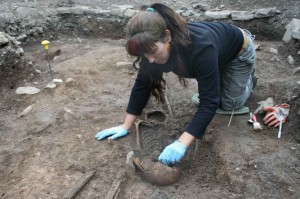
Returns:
<point x="265" y="12"/>
<point x="297" y="71"/>
<point x="22" y="38"/>
<point x="130" y="12"/>
<point x="118" y="12"/>
<point x="3" y="39"/>
<point x="78" y="10"/>
<point x="224" y="14"/>
<point x="293" y="26"/>
<point x="296" y="34"/>
<point x="122" y="7"/>
<point x="242" y="15"/>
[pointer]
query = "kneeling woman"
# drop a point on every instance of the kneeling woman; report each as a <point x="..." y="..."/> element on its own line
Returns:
<point x="218" y="55"/>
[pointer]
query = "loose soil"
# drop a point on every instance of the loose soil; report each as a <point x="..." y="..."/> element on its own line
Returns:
<point x="44" y="153"/>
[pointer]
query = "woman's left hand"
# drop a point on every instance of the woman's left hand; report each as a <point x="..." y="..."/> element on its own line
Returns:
<point x="173" y="153"/>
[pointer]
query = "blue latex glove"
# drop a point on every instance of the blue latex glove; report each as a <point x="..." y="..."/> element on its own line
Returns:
<point x="114" y="133"/>
<point x="172" y="153"/>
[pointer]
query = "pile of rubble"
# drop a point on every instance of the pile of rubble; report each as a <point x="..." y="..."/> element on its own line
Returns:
<point x="31" y="23"/>
<point x="26" y="23"/>
<point x="12" y="61"/>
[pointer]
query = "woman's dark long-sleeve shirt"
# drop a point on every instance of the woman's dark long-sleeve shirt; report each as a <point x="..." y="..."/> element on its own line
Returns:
<point x="214" y="44"/>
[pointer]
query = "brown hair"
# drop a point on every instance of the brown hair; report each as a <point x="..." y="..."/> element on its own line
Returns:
<point x="149" y="26"/>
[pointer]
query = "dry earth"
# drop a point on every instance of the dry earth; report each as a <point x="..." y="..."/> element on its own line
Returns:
<point x="44" y="153"/>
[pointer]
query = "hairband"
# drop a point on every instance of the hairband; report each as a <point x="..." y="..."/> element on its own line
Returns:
<point x="150" y="9"/>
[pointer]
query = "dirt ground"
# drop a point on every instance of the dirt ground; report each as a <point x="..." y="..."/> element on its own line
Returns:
<point x="44" y="153"/>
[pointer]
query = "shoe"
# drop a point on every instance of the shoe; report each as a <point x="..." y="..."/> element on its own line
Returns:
<point x="195" y="99"/>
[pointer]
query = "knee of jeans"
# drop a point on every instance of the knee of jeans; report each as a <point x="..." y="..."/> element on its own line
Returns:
<point x="226" y="106"/>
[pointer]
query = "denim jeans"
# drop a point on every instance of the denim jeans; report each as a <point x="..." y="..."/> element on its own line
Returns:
<point x="236" y="79"/>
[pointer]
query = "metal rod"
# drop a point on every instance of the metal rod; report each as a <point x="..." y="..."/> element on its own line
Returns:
<point x="49" y="65"/>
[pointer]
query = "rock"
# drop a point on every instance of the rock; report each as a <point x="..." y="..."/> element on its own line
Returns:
<point x="122" y="7"/>
<point x="38" y="71"/>
<point x="296" y="34"/>
<point x="19" y="52"/>
<point x="186" y="13"/>
<point x="274" y="58"/>
<point x="77" y="10"/>
<point x="22" y="38"/>
<point x="294" y="25"/>
<point x="265" y="12"/>
<point x="70" y="82"/>
<point x="297" y="71"/>
<point x="241" y="15"/>
<point x="290" y="60"/>
<point x="57" y="80"/>
<point x="273" y="51"/>
<point x="3" y="39"/>
<point x="27" y="90"/>
<point x="217" y="14"/>
<point x="130" y="12"/>
<point x="118" y="12"/>
<point x="51" y="85"/>
<point x="201" y="6"/>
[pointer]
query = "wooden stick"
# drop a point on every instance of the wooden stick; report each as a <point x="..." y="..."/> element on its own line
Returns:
<point x="116" y="184"/>
<point x="77" y="187"/>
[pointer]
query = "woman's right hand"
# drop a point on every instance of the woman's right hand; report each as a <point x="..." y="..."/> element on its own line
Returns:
<point x="114" y="133"/>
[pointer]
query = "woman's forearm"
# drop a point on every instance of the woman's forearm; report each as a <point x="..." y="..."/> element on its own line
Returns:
<point x="129" y="120"/>
<point x="186" y="139"/>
